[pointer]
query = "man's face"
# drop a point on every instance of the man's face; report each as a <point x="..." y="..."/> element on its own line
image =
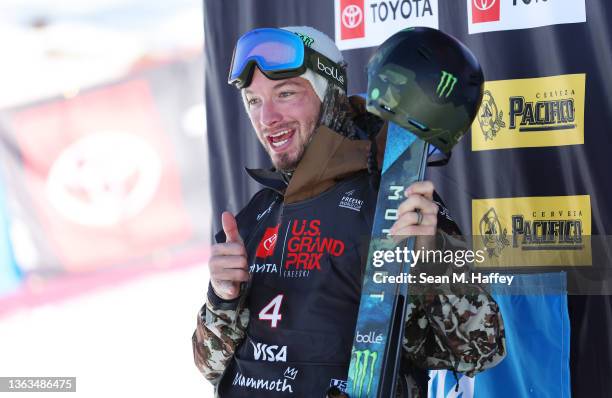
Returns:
<point x="284" y="114"/>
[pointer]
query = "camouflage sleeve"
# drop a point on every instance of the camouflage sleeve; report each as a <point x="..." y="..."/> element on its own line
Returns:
<point x="462" y="331"/>
<point x="221" y="327"/>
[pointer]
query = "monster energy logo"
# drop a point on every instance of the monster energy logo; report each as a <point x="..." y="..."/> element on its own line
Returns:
<point x="306" y="39"/>
<point x="446" y="85"/>
<point x="362" y="375"/>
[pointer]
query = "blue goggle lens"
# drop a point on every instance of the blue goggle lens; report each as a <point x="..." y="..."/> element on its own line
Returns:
<point x="272" y="49"/>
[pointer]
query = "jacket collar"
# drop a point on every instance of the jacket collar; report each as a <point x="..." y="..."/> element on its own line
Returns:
<point x="269" y="178"/>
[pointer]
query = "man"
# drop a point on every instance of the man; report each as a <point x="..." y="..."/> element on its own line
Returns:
<point x="285" y="281"/>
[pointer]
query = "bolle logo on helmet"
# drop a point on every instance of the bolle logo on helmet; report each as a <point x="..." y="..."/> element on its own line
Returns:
<point x="371" y="338"/>
<point x="446" y="85"/>
<point x="331" y="71"/>
<point x="352" y="16"/>
<point x="352" y="19"/>
<point x="485" y="11"/>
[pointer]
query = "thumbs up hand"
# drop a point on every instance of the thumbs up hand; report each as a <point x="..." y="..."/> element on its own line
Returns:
<point x="228" y="261"/>
<point x="230" y="227"/>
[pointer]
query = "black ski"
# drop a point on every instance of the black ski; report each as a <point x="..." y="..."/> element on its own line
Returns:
<point x="376" y="352"/>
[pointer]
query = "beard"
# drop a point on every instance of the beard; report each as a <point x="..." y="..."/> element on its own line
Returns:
<point x="286" y="162"/>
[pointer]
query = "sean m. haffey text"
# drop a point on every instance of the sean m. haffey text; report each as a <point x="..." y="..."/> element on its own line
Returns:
<point x="459" y="258"/>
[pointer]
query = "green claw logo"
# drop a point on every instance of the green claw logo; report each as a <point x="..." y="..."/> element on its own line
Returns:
<point x="447" y="84"/>
<point x="363" y="359"/>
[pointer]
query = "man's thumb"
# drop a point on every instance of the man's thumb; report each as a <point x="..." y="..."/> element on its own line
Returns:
<point x="230" y="227"/>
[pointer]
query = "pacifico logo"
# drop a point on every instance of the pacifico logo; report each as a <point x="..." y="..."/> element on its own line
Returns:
<point x="493" y="234"/>
<point x="367" y="23"/>
<point x="544" y="114"/>
<point x="538" y="112"/>
<point x="530" y="231"/>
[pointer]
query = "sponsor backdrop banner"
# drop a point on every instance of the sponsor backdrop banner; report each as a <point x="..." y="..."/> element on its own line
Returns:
<point x="112" y="178"/>
<point x="367" y="23"/>
<point x="492" y="15"/>
<point x="545" y="111"/>
<point x="539" y="148"/>
<point x="513" y="228"/>
<point x="102" y="175"/>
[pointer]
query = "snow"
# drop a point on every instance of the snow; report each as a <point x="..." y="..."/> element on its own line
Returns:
<point x="130" y="340"/>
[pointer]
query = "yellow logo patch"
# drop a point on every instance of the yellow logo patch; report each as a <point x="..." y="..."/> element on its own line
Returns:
<point x="538" y="112"/>
<point x="533" y="231"/>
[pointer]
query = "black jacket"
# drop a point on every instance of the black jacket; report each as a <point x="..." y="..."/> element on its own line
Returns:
<point x="291" y="333"/>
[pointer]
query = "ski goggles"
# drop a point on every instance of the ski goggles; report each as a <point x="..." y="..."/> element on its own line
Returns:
<point x="279" y="54"/>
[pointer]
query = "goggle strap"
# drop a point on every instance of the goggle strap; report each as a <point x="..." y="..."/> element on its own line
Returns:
<point x="327" y="68"/>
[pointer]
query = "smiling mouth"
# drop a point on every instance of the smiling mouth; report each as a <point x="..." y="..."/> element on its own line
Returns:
<point x="280" y="139"/>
